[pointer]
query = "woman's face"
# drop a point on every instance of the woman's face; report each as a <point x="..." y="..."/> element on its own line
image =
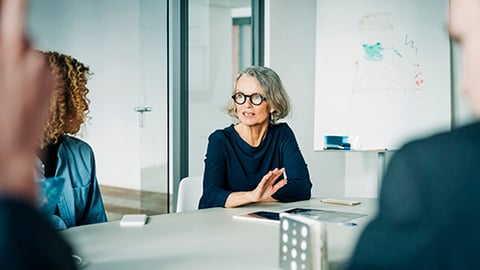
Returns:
<point x="248" y="113"/>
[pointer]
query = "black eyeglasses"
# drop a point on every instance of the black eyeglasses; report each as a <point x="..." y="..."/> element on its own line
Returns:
<point x="255" y="99"/>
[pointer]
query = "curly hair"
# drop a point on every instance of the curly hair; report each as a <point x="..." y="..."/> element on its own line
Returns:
<point x="69" y="102"/>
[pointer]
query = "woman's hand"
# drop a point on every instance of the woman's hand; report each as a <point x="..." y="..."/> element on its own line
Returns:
<point x="262" y="193"/>
<point x="267" y="187"/>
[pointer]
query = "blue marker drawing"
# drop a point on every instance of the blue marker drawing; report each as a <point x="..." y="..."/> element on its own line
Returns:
<point x="373" y="52"/>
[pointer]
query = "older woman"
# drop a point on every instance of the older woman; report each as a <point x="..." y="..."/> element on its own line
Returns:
<point x="248" y="162"/>
<point x="68" y="157"/>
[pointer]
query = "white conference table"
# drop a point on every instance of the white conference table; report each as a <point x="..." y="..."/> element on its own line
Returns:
<point x="206" y="239"/>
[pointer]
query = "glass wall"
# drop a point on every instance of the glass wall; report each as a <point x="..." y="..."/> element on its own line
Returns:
<point x="219" y="46"/>
<point x="125" y="44"/>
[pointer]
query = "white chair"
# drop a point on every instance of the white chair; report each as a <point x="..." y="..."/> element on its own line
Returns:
<point x="189" y="192"/>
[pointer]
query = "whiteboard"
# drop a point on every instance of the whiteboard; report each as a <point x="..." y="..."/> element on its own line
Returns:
<point x="382" y="71"/>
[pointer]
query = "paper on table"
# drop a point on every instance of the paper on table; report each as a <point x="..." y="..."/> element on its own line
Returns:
<point x="133" y="220"/>
<point x="325" y="215"/>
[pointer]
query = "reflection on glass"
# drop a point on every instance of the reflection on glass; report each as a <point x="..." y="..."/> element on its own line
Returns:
<point x="219" y="47"/>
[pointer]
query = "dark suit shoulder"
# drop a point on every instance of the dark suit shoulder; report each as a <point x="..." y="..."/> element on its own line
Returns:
<point x="28" y="239"/>
<point x="457" y="141"/>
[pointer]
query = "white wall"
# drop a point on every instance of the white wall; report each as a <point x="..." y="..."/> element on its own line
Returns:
<point x="292" y="55"/>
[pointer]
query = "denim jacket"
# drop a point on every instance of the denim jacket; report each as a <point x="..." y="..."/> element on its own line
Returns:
<point x="80" y="202"/>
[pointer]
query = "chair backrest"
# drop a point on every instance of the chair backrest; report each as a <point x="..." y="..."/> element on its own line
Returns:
<point x="190" y="190"/>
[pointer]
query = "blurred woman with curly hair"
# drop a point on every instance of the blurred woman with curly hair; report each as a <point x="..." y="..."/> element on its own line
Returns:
<point x="65" y="156"/>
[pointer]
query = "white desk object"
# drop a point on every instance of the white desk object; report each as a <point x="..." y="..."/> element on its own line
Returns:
<point x="303" y="243"/>
<point x="205" y="239"/>
<point x="133" y="220"/>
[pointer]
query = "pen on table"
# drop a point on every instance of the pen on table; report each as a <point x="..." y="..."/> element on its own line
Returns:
<point x="347" y="224"/>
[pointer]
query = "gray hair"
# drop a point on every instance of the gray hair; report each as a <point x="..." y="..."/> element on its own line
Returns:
<point x="271" y="84"/>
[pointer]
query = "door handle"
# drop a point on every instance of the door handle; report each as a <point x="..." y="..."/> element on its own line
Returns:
<point x="142" y="110"/>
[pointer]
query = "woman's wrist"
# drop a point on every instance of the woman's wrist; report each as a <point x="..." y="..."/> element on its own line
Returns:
<point x="240" y="198"/>
<point x="250" y="197"/>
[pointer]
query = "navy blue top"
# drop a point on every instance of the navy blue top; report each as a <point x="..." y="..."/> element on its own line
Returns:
<point x="231" y="165"/>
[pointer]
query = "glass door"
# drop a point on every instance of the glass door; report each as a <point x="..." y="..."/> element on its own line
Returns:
<point x="152" y="107"/>
<point x="124" y="43"/>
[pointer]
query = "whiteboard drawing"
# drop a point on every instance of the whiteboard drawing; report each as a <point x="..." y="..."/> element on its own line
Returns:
<point x="388" y="68"/>
<point x="382" y="71"/>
